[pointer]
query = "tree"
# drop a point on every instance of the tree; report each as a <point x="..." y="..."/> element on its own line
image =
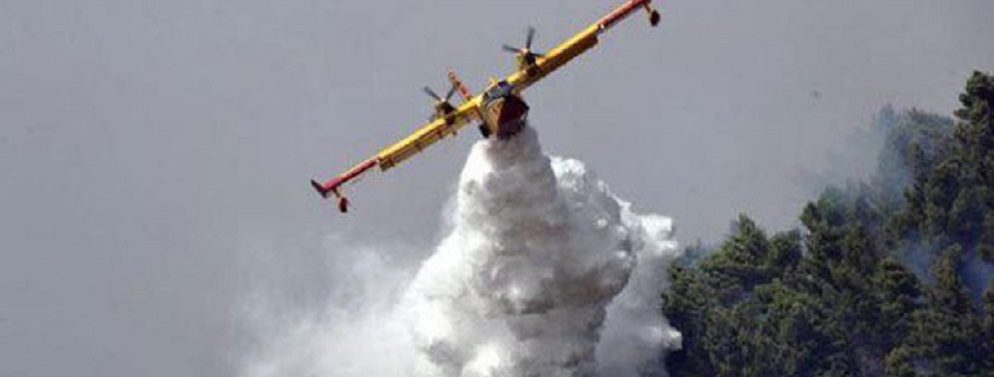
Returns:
<point x="899" y="363"/>
<point x="741" y="263"/>
<point x="987" y="335"/>
<point x="840" y="296"/>
<point x="952" y="197"/>
<point x="947" y="333"/>
<point x="898" y="292"/>
<point x="686" y="304"/>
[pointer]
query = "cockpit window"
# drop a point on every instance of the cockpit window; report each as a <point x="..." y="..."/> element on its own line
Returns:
<point x="502" y="89"/>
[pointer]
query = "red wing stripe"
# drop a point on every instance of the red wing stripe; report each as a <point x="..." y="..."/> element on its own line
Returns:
<point x="358" y="170"/>
<point x="619" y="14"/>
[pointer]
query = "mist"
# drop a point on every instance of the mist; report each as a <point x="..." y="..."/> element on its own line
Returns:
<point x="542" y="272"/>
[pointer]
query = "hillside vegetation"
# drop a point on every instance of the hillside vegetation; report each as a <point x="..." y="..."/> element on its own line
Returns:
<point x="888" y="277"/>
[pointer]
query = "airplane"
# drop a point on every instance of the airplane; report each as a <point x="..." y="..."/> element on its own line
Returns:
<point x="501" y="111"/>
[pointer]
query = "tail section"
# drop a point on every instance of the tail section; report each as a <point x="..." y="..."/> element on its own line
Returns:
<point x="320" y="189"/>
<point x="333" y="187"/>
<point x="467" y="95"/>
<point x="457" y="83"/>
<point x="626" y="10"/>
<point x="327" y="191"/>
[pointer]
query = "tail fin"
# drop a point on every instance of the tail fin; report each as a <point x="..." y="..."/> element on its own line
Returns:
<point x="343" y="202"/>
<point x="457" y="82"/>
<point x="320" y="189"/>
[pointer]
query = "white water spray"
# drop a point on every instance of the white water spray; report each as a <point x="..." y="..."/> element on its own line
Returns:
<point x="543" y="273"/>
<point x="523" y="283"/>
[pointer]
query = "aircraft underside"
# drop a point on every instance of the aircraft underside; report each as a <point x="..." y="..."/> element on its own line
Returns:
<point x="509" y="113"/>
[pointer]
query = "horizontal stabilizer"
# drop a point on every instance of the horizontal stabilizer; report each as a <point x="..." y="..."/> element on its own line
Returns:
<point x="320" y="188"/>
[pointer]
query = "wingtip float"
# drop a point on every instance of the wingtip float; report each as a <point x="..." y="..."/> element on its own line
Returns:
<point x="500" y="110"/>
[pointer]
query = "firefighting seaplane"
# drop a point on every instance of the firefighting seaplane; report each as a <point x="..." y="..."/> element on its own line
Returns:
<point x="500" y="110"/>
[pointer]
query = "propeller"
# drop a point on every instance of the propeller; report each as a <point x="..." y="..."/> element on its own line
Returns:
<point x="526" y="53"/>
<point x="431" y="93"/>
<point x="530" y="38"/>
<point x="442" y="105"/>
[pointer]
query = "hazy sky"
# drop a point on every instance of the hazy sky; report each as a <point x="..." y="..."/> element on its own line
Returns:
<point x="154" y="155"/>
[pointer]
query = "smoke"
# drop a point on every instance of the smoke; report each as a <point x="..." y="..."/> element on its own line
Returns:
<point x="542" y="272"/>
<point x="857" y="158"/>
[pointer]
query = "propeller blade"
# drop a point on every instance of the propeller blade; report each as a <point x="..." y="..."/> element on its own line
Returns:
<point x="531" y="37"/>
<point x="511" y="49"/>
<point x="431" y="93"/>
<point x="452" y="90"/>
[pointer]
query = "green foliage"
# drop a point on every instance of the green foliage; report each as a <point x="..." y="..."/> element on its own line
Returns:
<point x="899" y="363"/>
<point x="898" y="293"/>
<point x="952" y="198"/>
<point x="987" y="334"/>
<point x="912" y="149"/>
<point x="840" y="298"/>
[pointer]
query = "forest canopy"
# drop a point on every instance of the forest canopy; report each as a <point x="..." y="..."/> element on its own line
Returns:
<point x="887" y="277"/>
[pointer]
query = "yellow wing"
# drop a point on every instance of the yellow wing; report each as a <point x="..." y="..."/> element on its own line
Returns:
<point x="556" y="58"/>
<point x="577" y="45"/>
<point x="520" y="80"/>
<point x="429" y="134"/>
<point x="439" y="129"/>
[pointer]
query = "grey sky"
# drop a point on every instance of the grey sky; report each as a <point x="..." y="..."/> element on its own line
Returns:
<point x="148" y="147"/>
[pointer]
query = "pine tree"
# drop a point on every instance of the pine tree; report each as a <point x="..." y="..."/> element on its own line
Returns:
<point x="986" y="337"/>
<point x="947" y="334"/>
<point x="898" y="292"/>
<point x="741" y="263"/>
<point x="952" y="202"/>
<point x="686" y="304"/>
<point x="899" y="363"/>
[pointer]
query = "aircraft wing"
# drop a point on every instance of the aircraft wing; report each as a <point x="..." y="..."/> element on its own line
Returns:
<point x="555" y="58"/>
<point x="578" y="44"/>
<point x="393" y="155"/>
<point x="428" y="134"/>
